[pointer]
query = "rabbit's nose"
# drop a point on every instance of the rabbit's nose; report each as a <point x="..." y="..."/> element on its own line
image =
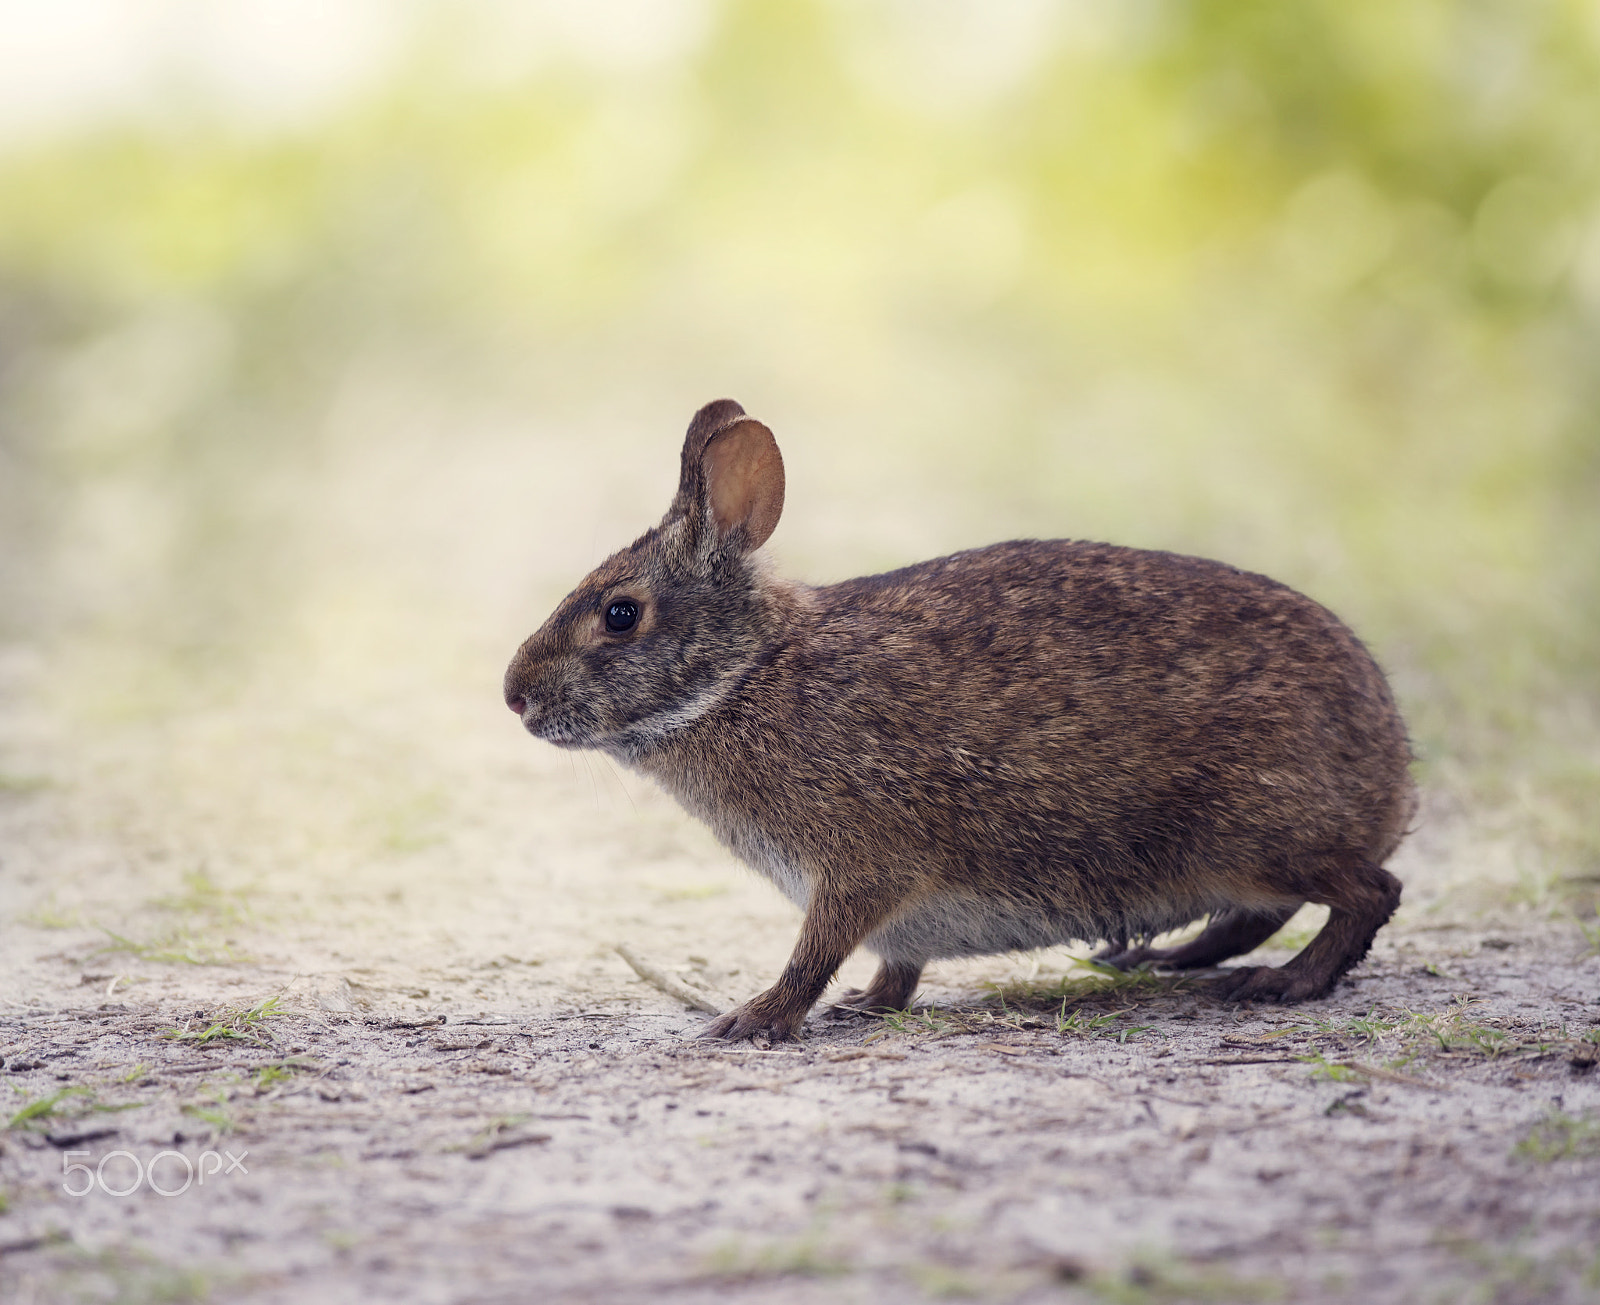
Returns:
<point x="517" y="703"/>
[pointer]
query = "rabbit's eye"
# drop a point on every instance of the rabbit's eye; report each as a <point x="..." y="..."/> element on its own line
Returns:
<point x="622" y="615"/>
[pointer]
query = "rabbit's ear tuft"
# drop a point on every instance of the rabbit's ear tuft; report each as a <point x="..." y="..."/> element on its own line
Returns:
<point x="744" y="483"/>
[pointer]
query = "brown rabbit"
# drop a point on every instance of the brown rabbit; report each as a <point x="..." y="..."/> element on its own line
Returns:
<point x="1002" y="749"/>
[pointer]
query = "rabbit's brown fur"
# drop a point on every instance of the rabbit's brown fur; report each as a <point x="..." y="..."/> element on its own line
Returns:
<point x="1003" y="749"/>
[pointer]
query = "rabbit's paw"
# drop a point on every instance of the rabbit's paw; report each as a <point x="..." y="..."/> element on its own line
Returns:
<point x="1267" y="983"/>
<point x="853" y="1001"/>
<point x="753" y="1021"/>
<point x="892" y="989"/>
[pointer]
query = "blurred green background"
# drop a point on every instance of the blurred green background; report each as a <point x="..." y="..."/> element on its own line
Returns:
<point x="335" y="346"/>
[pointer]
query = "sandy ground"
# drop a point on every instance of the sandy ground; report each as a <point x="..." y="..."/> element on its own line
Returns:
<point x="457" y="1091"/>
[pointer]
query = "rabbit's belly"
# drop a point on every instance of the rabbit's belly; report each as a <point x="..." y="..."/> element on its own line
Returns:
<point x="951" y="925"/>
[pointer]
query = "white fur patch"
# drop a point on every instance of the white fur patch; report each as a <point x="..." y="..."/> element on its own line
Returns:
<point x="632" y="739"/>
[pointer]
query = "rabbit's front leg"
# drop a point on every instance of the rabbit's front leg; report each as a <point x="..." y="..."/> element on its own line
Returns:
<point x="835" y="923"/>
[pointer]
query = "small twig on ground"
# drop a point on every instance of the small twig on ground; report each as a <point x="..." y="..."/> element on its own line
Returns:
<point x="505" y="1144"/>
<point x="668" y="983"/>
<point x="51" y="1238"/>
<point x="1251" y="1060"/>
<point x="501" y="1135"/>
<point x="306" y="1063"/>
<point x="1389" y="1076"/>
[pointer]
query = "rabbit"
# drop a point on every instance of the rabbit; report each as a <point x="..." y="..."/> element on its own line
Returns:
<point x="1007" y="748"/>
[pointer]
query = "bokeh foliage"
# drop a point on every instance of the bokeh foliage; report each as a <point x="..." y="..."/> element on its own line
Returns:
<point x="1314" y="287"/>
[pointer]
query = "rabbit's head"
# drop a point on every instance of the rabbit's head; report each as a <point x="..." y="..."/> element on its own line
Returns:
<point x="660" y="631"/>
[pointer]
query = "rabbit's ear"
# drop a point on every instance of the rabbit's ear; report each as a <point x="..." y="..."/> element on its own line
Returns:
<point x="731" y="489"/>
<point x="744" y="483"/>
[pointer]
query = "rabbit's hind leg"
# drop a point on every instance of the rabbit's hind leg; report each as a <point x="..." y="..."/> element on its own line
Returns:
<point x="1361" y="896"/>
<point x="1125" y="952"/>
<point x="1230" y="932"/>
<point x="892" y="988"/>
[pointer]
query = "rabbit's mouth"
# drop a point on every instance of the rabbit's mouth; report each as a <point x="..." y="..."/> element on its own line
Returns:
<point x="564" y="733"/>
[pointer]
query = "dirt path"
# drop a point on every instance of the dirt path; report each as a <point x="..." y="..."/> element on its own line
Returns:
<point x="457" y="1091"/>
